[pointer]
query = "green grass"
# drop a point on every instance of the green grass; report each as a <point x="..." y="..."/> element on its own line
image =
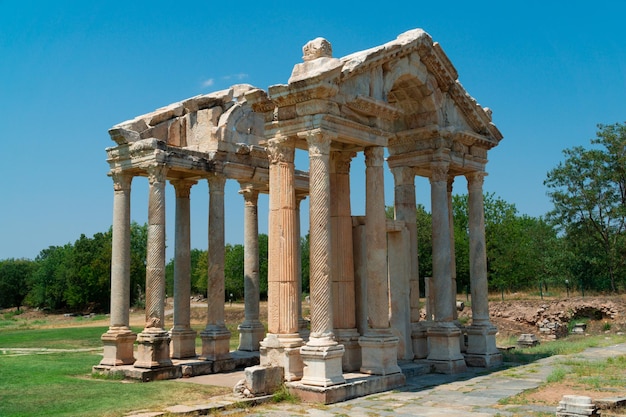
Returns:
<point x="61" y="384"/>
<point x="567" y="346"/>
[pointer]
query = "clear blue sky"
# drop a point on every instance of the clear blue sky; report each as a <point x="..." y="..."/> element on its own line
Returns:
<point x="69" y="70"/>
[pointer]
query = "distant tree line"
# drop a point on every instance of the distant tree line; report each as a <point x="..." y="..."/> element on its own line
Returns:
<point x="580" y="244"/>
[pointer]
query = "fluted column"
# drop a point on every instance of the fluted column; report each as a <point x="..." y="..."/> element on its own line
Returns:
<point x="215" y="336"/>
<point x="481" y="346"/>
<point x="379" y="346"/>
<point x="183" y="343"/>
<point x="153" y="341"/>
<point x="118" y="340"/>
<point x="443" y="335"/>
<point x="342" y="260"/>
<point x="321" y="354"/>
<point x="251" y="331"/>
<point x="281" y="346"/>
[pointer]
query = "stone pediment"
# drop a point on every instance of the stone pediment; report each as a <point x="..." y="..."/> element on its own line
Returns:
<point x="399" y="86"/>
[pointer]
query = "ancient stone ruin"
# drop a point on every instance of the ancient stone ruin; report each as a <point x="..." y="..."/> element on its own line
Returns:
<point x="402" y="97"/>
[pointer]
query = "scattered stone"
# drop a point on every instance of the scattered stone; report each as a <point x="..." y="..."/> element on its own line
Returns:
<point x="527" y="340"/>
<point x="575" y="406"/>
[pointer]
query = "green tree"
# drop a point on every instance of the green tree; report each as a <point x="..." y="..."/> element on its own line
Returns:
<point x="138" y="257"/>
<point x="15" y="279"/>
<point x="233" y="271"/>
<point x="588" y="190"/>
<point x="51" y="277"/>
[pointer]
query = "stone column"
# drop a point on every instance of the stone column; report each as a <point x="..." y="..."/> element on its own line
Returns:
<point x="453" y="287"/>
<point x="303" y="325"/>
<point x="481" y="335"/>
<point x="118" y="340"/>
<point x="183" y="343"/>
<point x="281" y="346"/>
<point x="251" y="331"/>
<point x="153" y="342"/>
<point x="378" y="345"/>
<point x="407" y="314"/>
<point x="322" y="355"/>
<point x="342" y="260"/>
<point x="215" y="336"/>
<point x="443" y="335"/>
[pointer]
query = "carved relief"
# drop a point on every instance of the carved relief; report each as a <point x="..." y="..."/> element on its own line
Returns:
<point x="280" y="151"/>
<point x="319" y="143"/>
<point x="121" y="181"/>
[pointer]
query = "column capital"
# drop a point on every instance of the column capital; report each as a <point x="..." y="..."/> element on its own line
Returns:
<point x="250" y="195"/>
<point x="280" y="150"/>
<point x="340" y="161"/>
<point x="121" y="180"/>
<point x="476" y="178"/>
<point x="216" y="183"/>
<point x="374" y="156"/>
<point x="439" y="171"/>
<point x="403" y="175"/>
<point x="183" y="187"/>
<point x="318" y="142"/>
<point x="157" y="173"/>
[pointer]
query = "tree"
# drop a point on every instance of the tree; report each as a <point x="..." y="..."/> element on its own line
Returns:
<point x="233" y="271"/>
<point x="50" y="277"/>
<point x="15" y="278"/>
<point x="588" y="190"/>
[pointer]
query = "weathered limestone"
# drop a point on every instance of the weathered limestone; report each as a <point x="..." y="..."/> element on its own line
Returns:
<point x="322" y="355"/>
<point x="343" y="306"/>
<point x="303" y="324"/>
<point x="404" y="210"/>
<point x="251" y="331"/>
<point x="215" y="336"/>
<point x="153" y="342"/>
<point x="443" y="335"/>
<point x="183" y="343"/>
<point x="576" y="406"/>
<point x="378" y="345"/>
<point x="481" y="335"/>
<point x="118" y="340"/>
<point x="281" y="346"/>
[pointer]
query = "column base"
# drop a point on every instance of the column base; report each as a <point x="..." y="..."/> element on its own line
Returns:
<point x="250" y="335"/>
<point x="349" y="338"/>
<point x="183" y="344"/>
<point x="445" y="350"/>
<point x="379" y="353"/>
<point x="118" y="347"/>
<point x="420" y="339"/>
<point x="283" y="350"/>
<point x="481" y="346"/>
<point x="153" y="349"/>
<point x="322" y="364"/>
<point x="215" y="343"/>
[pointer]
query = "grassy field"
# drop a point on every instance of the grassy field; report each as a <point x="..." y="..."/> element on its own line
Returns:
<point x="47" y="372"/>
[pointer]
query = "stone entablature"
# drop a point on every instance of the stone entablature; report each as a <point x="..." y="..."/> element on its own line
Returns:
<point x="402" y="97"/>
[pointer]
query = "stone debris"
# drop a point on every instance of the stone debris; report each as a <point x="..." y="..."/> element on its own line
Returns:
<point x="575" y="406"/>
<point x="527" y="340"/>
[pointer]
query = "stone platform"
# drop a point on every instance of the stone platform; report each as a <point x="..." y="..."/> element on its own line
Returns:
<point x="356" y="385"/>
<point x="182" y="368"/>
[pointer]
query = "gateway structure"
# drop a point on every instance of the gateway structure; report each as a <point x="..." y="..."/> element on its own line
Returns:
<point x="403" y="97"/>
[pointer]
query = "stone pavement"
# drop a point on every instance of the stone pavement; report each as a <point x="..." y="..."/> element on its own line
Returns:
<point x="474" y="393"/>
